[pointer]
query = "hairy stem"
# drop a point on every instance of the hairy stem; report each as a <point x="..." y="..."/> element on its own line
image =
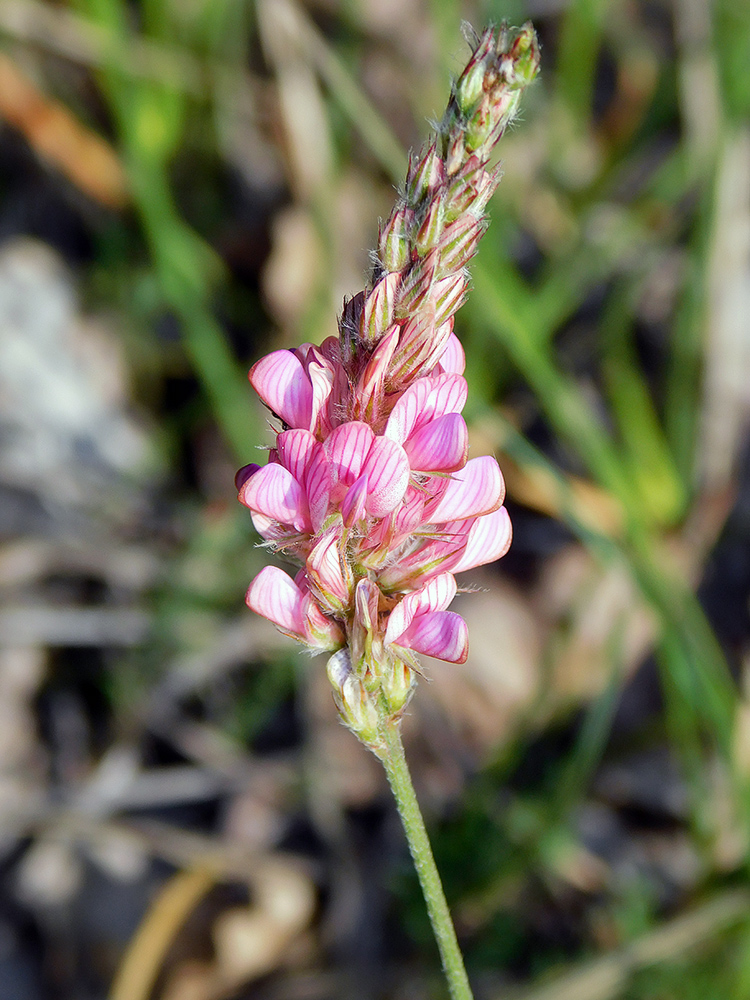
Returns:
<point x="394" y="760"/>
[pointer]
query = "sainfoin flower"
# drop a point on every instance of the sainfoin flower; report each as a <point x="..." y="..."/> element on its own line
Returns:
<point x="369" y="486"/>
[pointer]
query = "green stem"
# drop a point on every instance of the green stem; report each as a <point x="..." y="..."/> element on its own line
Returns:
<point x="394" y="761"/>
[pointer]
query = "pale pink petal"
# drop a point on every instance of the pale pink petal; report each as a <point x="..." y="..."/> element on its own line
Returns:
<point x="387" y="470"/>
<point x="476" y="489"/>
<point x="274" y="595"/>
<point x="489" y="538"/>
<point x="372" y="377"/>
<point x="442" y="634"/>
<point x="282" y="383"/>
<point x="324" y="569"/>
<point x="410" y="514"/>
<point x="353" y="504"/>
<point x="347" y="448"/>
<point x="436" y="595"/>
<point x="453" y="358"/>
<point x="321" y="380"/>
<point x="426" y="399"/>
<point x="407" y="410"/>
<point x="295" y="449"/>
<point x="267" y="527"/>
<point x="440" y="446"/>
<point x="317" y="485"/>
<point x="401" y="617"/>
<point x="275" y="492"/>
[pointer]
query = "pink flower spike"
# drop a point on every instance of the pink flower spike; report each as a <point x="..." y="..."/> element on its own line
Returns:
<point x="387" y="470"/>
<point x="440" y="446"/>
<point x="274" y="595"/>
<point x="283" y="384"/>
<point x="476" y="489"/>
<point x="453" y="358"/>
<point x="442" y="634"/>
<point x="489" y="538"/>
<point x="275" y="492"/>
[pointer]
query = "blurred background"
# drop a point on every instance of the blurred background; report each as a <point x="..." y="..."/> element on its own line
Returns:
<point x="187" y="184"/>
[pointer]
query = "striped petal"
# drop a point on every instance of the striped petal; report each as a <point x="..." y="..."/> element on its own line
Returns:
<point x="347" y="448"/>
<point x="324" y="570"/>
<point x="353" y="506"/>
<point x="440" y="446"/>
<point x="476" y="489"/>
<point x="295" y="449"/>
<point x="453" y="358"/>
<point x="426" y="399"/>
<point x="282" y="383"/>
<point x="489" y="538"/>
<point x="442" y="634"/>
<point x="387" y="470"/>
<point x="435" y="596"/>
<point x="275" y="492"/>
<point x="274" y="595"/>
<point x="317" y="485"/>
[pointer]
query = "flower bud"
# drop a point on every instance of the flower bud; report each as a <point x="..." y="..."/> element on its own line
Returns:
<point x="394" y="240"/>
<point x="357" y="707"/>
<point x="425" y="175"/>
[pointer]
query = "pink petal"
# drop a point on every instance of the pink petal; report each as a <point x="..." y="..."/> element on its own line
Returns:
<point x="282" y="383"/>
<point x="426" y="399"/>
<point x="489" y="538"/>
<point x="321" y="380"/>
<point x="476" y="489"/>
<point x="353" y="504"/>
<point x="371" y="380"/>
<point x="275" y="492"/>
<point x="274" y="595"/>
<point x="295" y="448"/>
<point x="436" y="595"/>
<point x="387" y="469"/>
<point x="401" y="618"/>
<point x="440" y="446"/>
<point x="317" y="485"/>
<point x="442" y="634"/>
<point x="410" y="514"/>
<point x="347" y="448"/>
<point x="407" y="410"/>
<point x="453" y="358"/>
<point x="324" y="569"/>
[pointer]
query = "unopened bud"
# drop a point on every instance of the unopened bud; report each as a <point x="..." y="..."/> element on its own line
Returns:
<point x="378" y="309"/>
<point x="425" y="175"/>
<point x="356" y="705"/>
<point x="432" y="226"/>
<point x="394" y="240"/>
<point x="398" y="686"/>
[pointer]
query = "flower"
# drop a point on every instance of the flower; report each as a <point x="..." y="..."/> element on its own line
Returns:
<point x="369" y="487"/>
